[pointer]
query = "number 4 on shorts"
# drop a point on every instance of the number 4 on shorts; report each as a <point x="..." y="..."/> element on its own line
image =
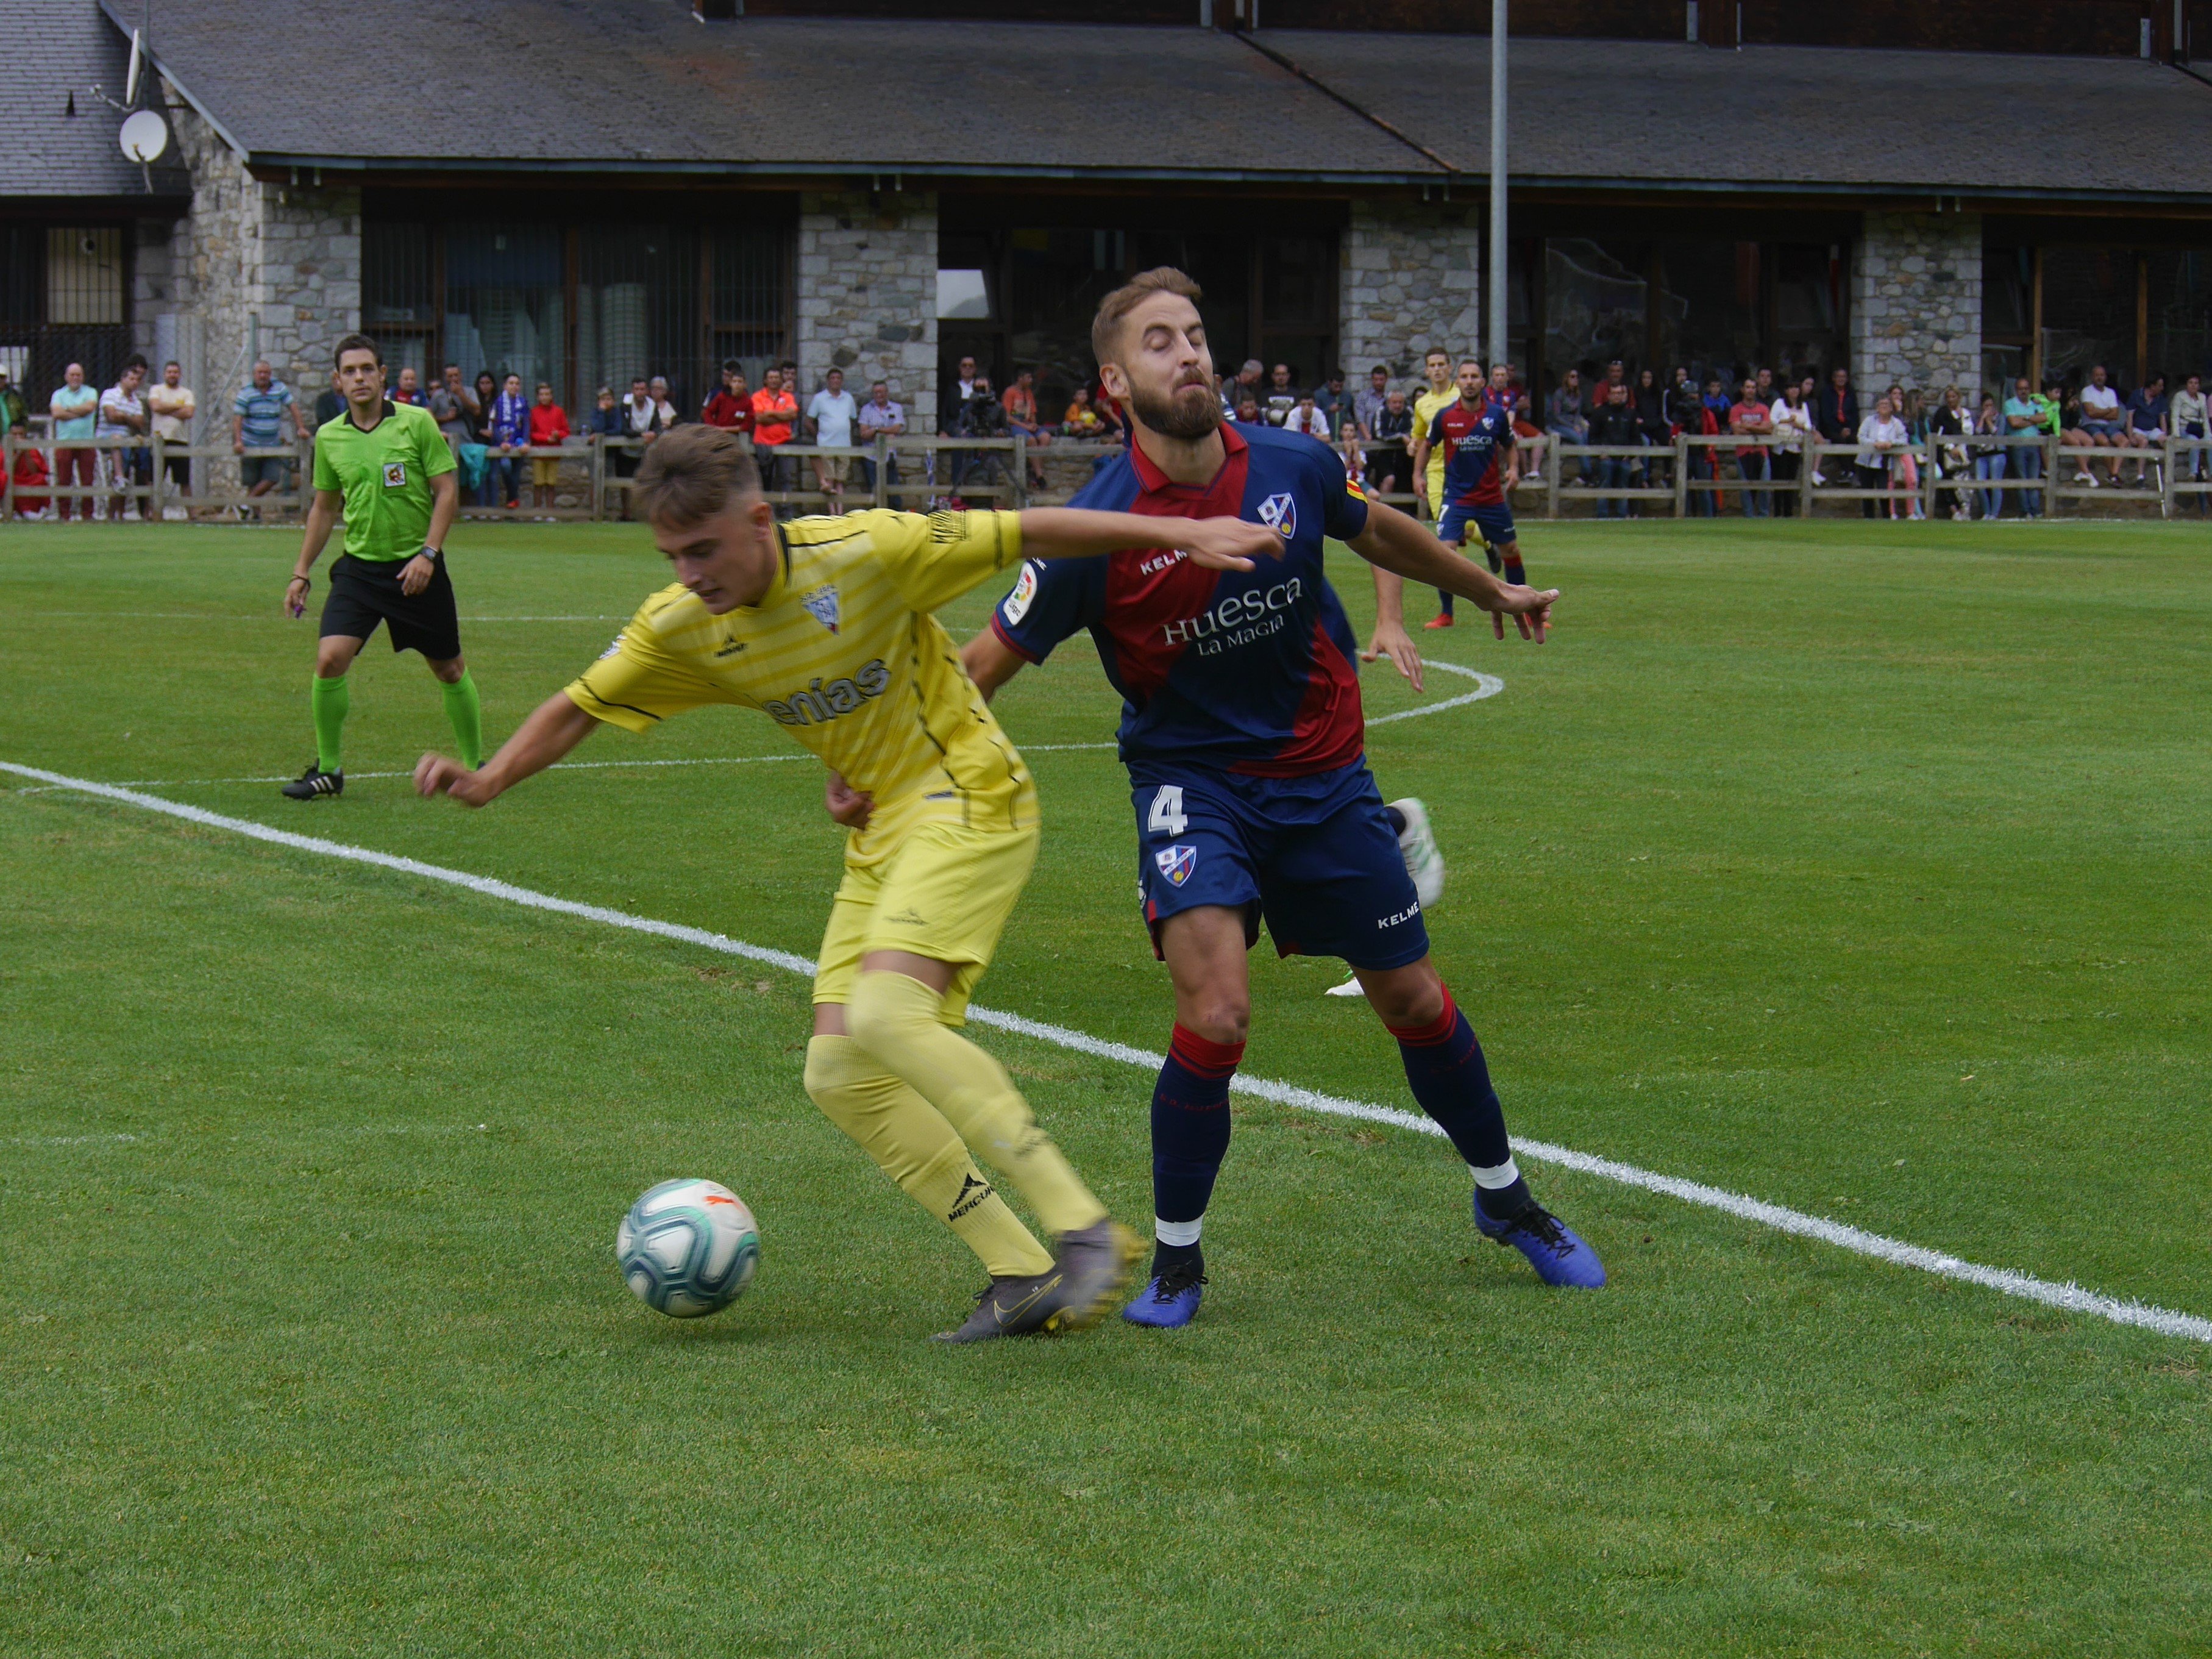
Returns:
<point x="1167" y="817"/>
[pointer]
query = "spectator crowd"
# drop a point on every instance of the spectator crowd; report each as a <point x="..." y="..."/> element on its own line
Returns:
<point x="1757" y="433"/>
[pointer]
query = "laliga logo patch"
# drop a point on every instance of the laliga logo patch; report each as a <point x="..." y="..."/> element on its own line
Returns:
<point x="1280" y="514"/>
<point x="1176" y="863"/>
<point x="395" y="475"/>
<point x="821" y="605"/>
<point x="1019" y="602"/>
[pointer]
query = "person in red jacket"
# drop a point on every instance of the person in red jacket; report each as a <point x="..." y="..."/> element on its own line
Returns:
<point x="731" y="408"/>
<point x="549" y="430"/>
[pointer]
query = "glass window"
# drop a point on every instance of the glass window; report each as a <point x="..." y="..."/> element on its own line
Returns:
<point x="1596" y="306"/>
<point x="2008" y="293"/>
<point x="2180" y="313"/>
<point x="505" y="303"/>
<point x="84" y="275"/>
<point x="964" y="295"/>
<point x="2088" y="313"/>
<point x="1709" y="320"/>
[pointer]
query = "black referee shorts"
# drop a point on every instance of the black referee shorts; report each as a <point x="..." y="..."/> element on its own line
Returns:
<point x="365" y="592"/>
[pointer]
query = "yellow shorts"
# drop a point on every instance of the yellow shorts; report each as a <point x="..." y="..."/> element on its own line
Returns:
<point x="944" y="893"/>
<point x="545" y="470"/>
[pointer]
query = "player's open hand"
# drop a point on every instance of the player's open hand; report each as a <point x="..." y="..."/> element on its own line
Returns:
<point x="1227" y="544"/>
<point x="1530" y="609"/>
<point x="1391" y="640"/>
<point x="436" y="775"/>
<point x="850" y="807"/>
<point x="414" y="575"/>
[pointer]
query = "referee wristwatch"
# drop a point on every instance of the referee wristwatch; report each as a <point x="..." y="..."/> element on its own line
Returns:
<point x="434" y="554"/>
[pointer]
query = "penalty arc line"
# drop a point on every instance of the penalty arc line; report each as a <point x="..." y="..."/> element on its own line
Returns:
<point x="2071" y="1297"/>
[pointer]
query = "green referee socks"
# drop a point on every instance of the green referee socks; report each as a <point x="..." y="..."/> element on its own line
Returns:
<point x="465" y="710"/>
<point x="330" y="699"/>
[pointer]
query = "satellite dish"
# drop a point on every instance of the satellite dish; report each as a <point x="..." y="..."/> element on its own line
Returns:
<point x="145" y="135"/>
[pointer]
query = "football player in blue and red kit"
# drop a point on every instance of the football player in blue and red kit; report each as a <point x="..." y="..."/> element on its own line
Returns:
<point x="1476" y="436"/>
<point x="1244" y="740"/>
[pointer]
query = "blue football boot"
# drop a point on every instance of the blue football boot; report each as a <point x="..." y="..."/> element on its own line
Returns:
<point x="1553" y="1247"/>
<point x="1169" y="1301"/>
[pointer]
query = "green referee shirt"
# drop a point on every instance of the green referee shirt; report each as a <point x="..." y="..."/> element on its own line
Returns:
<point x="385" y="474"/>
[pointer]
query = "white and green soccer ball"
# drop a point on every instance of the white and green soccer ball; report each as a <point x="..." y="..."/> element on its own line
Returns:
<point x="688" y="1247"/>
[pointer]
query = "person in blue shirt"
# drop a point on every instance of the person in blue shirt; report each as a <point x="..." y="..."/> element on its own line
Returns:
<point x="510" y="434"/>
<point x="2146" y="409"/>
<point x="1242" y="732"/>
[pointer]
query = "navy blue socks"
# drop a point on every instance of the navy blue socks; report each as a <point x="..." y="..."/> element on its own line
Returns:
<point x="1449" y="1077"/>
<point x="1190" y="1136"/>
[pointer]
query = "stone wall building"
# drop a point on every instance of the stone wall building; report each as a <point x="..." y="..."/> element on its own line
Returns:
<point x="1331" y="200"/>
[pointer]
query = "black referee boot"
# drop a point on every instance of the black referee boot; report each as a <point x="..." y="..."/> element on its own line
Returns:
<point x="315" y="781"/>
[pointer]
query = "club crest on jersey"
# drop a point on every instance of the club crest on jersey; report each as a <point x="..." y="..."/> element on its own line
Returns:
<point x="1176" y="863"/>
<point x="395" y="475"/>
<point x="821" y="605"/>
<point x="1280" y="514"/>
<point x="1024" y="594"/>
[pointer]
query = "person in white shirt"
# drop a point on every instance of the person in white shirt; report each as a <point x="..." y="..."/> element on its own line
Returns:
<point x="2101" y="417"/>
<point x="123" y="415"/>
<point x="172" y="405"/>
<point x="1881" y="435"/>
<point x="2187" y="417"/>
<point x="1792" y="417"/>
<point x="831" y="412"/>
<point x="1306" y="418"/>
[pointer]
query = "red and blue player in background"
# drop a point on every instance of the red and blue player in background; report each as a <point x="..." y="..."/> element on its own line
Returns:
<point x="1244" y="739"/>
<point x="1477" y="436"/>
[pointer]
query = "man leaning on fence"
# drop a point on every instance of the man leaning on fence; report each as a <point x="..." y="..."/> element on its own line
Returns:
<point x="75" y="408"/>
<point x="171" y="404"/>
<point x="258" y="417"/>
<point x="881" y="417"/>
<point x="122" y="419"/>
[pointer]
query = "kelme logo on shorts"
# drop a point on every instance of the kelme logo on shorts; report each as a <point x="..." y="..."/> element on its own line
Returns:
<point x="395" y="475"/>
<point x="819" y="703"/>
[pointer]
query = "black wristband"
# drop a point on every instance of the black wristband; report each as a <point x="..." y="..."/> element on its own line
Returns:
<point x="297" y="577"/>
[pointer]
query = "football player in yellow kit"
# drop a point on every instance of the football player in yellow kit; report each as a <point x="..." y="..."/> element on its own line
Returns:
<point x="825" y="625"/>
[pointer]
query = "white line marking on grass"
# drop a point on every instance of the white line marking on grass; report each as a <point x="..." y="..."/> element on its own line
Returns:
<point x="2069" y="1296"/>
<point x="1486" y="685"/>
<point x="68" y="1140"/>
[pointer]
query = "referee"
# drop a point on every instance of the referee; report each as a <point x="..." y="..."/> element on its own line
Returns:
<point x="387" y="468"/>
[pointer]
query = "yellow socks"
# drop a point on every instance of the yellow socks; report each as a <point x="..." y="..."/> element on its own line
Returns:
<point x="895" y="1019"/>
<point x="911" y="1143"/>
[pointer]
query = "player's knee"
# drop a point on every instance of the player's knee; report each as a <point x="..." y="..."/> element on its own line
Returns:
<point x="1406" y="997"/>
<point x="883" y="1010"/>
<point x="332" y="660"/>
<point x="450" y="671"/>
<point x="1220" y="1016"/>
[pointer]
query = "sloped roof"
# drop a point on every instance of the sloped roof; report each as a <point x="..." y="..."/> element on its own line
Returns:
<point x="49" y="49"/>
<point x="1818" y="117"/>
<point x="601" y="86"/>
<point x="639" y="84"/>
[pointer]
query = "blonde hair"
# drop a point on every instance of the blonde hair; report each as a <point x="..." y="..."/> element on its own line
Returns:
<point x="1114" y="308"/>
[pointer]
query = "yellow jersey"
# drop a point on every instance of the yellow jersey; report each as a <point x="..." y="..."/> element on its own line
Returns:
<point x="843" y="652"/>
<point x="1424" y="412"/>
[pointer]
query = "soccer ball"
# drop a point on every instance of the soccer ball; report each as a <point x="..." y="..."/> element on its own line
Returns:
<point x="688" y="1247"/>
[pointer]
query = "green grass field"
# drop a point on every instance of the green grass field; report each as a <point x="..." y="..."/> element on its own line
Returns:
<point x="1860" y="868"/>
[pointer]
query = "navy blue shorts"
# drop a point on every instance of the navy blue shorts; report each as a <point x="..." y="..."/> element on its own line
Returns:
<point x="1314" y="856"/>
<point x="1495" y="524"/>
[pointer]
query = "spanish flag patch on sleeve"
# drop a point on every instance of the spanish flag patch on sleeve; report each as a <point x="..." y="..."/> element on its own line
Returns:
<point x="1352" y="488"/>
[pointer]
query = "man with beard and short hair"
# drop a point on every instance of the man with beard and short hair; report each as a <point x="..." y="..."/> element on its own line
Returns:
<point x="1244" y="737"/>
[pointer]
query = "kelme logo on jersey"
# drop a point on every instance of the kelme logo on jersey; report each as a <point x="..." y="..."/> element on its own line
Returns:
<point x="821" y="605"/>
<point x="818" y="703"/>
<point x="1176" y="863"/>
<point x="395" y="475"/>
<point x="1024" y="594"/>
<point x="1280" y="514"/>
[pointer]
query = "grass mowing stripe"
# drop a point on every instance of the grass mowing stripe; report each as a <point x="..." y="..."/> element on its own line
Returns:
<point x="2069" y="1296"/>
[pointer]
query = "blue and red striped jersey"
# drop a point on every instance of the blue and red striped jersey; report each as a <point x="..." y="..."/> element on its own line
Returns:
<point x="1472" y="476"/>
<point x="1245" y="671"/>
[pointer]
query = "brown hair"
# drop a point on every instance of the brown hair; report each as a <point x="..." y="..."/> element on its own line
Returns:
<point x="357" y="342"/>
<point x="691" y="474"/>
<point x="1114" y="310"/>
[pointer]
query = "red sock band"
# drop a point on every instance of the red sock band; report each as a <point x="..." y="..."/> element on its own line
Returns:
<point x="1436" y="1031"/>
<point x="1202" y="1055"/>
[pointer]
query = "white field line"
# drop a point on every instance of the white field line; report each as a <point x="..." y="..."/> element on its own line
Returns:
<point x="2069" y="1296"/>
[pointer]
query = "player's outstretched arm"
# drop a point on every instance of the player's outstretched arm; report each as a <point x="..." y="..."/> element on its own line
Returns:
<point x="554" y="728"/>
<point x="1399" y="544"/>
<point x="1218" y="544"/>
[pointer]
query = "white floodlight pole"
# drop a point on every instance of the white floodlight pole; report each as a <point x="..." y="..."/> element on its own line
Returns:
<point x="1496" y="272"/>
